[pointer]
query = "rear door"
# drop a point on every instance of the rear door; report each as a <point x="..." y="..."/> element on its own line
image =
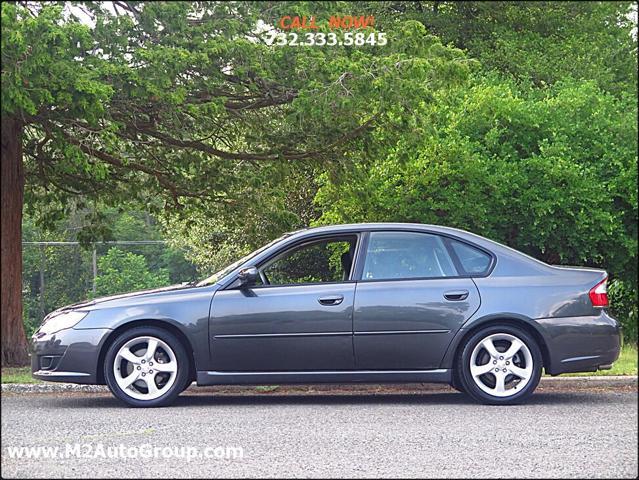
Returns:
<point x="410" y="301"/>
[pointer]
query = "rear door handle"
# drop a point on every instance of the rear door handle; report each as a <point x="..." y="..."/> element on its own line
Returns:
<point x="456" y="295"/>
<point x="331" y="300"/>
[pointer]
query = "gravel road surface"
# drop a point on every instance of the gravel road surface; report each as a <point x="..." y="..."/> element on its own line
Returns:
<point x="433" y="434"/>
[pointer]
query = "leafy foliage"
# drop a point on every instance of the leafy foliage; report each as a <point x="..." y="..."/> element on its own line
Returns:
<point x="538" y="43"/>
<point x="623" y="300"/>
<point x="122" y="271"/>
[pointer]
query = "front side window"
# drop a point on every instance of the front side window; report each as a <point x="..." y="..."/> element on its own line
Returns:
<point x="398" y="255"/>
<point x="322" y="261"/>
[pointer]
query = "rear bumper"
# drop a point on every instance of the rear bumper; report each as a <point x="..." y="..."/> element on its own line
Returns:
<point x="580" y="344"/>
<point x="69" y="355"/>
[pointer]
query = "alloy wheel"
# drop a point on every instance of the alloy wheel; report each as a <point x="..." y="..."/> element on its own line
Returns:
<point x="145" y="368"/>
<point x="501" y="364"/>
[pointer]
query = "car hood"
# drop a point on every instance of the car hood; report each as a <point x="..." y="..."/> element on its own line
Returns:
<point x="89" y="304"/>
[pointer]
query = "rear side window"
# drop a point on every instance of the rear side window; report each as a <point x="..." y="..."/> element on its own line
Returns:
<point x="473" y="260"/>
<point x="398" y="255"/>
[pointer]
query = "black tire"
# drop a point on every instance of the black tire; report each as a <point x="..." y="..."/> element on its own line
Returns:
<point x="187" y="384"/>
<point x="468" y="383"/>
<point x="182" y="379"/>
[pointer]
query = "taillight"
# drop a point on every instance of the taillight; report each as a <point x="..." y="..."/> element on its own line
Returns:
<point x="599" y="294"/>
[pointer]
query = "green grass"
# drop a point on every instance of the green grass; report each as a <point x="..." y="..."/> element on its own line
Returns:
<point x="625" y="365"/>
<point x="266" y="388"/>
<point x="18" y="375"/>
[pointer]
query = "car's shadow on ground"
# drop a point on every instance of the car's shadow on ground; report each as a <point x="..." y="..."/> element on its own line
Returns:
<point x="191" y="400"/>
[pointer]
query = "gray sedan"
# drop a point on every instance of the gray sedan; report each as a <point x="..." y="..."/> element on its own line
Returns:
<point x="371" y="303"/>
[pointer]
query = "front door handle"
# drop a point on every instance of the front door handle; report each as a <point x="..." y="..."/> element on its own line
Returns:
<point x="331" y="300"/>
<point x="456" y="295"/>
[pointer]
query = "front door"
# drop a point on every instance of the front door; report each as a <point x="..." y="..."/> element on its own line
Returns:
<point x="410" y="302"/>
<point x="298" y="317"/>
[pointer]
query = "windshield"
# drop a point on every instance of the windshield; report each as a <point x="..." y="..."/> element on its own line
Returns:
<point x="225" y="271"/>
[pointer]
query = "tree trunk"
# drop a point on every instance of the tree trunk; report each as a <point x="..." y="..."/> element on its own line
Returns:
<point x="14" y="343"/>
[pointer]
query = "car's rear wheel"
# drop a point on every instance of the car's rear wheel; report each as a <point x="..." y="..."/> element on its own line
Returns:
<point x="146" y="367"/>
<point x="500" y="365"/>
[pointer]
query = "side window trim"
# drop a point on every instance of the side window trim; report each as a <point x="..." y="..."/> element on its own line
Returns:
<point x="360" y="257"/>
<point x="453" y="255"/>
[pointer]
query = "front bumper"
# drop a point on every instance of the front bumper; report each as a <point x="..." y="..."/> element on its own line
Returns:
<point x="580" y="344"/>
<point x="70" y="355"/>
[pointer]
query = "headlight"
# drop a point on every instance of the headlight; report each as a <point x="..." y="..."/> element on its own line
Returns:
<point x="61" y="321"/>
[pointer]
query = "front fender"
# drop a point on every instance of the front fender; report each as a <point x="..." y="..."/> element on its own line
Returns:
<point x="188" y="312"/>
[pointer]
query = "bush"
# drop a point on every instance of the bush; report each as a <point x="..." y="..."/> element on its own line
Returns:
<point x="623" y="304"/>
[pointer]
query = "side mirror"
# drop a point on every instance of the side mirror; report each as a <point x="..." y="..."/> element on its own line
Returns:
<point x="247" y="276"/>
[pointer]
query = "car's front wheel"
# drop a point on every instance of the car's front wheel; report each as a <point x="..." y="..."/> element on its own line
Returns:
<point x="500" y="365"/>
<point x="146" y="367"/>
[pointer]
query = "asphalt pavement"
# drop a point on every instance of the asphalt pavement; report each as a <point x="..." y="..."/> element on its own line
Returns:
<point x="588" y="433"/>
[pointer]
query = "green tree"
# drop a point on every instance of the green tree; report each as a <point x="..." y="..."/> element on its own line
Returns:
<point x="120" y="271"/>
<point x="183" y="102"/>
<point x="213" y="239"/>
<point x="135" y="225"/>
<point x="540" y="42"/>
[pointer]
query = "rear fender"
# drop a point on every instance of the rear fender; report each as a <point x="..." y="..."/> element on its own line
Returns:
<point x="494" y="319"/>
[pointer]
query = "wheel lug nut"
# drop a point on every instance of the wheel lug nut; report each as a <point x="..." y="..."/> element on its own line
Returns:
<point x="150" y="371"/>
<point x="501" y="358"/>
<point x="143" y="374"/>
<point x="494" y="362"/>
<point x="504" y="370"/>
<point x="496" y="369"/>
<point x="143" y="361"/>
<point x="150" y="364"/>
<point x="139" y="368"/>
<point x="507" y="363"/>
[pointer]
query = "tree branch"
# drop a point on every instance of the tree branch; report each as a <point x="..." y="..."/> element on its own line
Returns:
<point x="175" y="191"/>
<point x="266" y="156"/>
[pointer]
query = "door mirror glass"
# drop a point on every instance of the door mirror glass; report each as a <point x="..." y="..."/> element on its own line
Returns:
<point x="247" y="276"/>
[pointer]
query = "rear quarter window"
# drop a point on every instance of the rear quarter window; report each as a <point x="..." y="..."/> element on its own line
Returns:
<point x="473" y="260"/>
